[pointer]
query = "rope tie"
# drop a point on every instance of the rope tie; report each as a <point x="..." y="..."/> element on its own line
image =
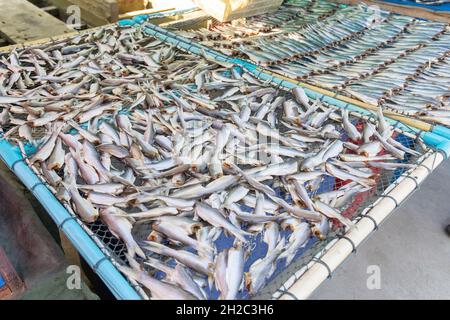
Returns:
<point x="413" y="179"/>
<point x="336" y="95"/>
<point x="189" y="48"/>
<point x="339" y="236"/>
<point x="16" y="162"/>
<point x="37" y="185"/>
<point x="97" y="264"/>
<point x="293" y="296"/>
<point x="61" y="225"/>
<point x="420" y="133"/>
<point x="318" y="260"/>
<point x="371" y="219"/>
<point x="443" y="154"/>
<point x="389" y="197"/>
<point x="259" y="73"/>
<point x="426" y="168"/>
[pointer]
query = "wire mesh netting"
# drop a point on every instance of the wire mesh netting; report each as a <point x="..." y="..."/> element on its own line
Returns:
<point x="185" y="108"/>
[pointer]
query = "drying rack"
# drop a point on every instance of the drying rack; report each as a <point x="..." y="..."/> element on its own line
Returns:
<point x="94" y="243"/>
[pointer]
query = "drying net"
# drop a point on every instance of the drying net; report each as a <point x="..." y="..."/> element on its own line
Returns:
<point x="359" y="51"/>
<point x="139" y="104"/>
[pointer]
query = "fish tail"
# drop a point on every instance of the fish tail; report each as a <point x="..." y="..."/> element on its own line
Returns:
<point x="211" y="281"/>
<point x="204" y="248"/>
<point x="155" y="247"/>
<point x="248" y="281"/>
<point x="134" y="249"/>
<point x="132" y="273"/>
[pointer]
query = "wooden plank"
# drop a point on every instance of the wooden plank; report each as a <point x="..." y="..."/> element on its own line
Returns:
<point x="22" y="21"/>
<point x="131" y="5"/>
<point x="94" y="13"/>
<point x="90" y="18"/>
<point x="192" y="20"/>
<point x="404" y="10"/>
<point x="178" y="4"/>
<point x="13" y="284"/>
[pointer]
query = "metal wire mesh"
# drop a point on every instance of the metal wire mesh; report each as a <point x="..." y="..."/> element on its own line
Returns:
<point x="115" y="245"/>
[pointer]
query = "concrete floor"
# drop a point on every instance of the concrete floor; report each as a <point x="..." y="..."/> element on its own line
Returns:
<point x="411" y="250"/>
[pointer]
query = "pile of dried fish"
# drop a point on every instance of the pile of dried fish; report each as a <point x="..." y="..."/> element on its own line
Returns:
<point x="213" y="180"/>
<point x="289" y="17"/>
<point x="396" y="61"/>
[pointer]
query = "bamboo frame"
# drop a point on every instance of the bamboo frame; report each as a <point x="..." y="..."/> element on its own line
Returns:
<point x="189" y="21"/>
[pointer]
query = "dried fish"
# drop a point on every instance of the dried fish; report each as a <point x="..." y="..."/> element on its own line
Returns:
<point x="209" y="159"/>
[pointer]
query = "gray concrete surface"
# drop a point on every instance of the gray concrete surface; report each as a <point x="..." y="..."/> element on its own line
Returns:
<point x="32" y="251"/>
<point x="55" y="288"/>
<point x="411" y="250"/>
